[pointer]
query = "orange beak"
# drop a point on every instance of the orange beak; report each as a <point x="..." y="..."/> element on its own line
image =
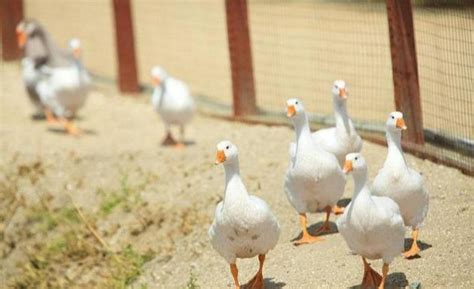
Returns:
<point x="401" y="124"/>
<point x="76" y="52"/>
<point x="291" y="111"/>
<point x="347" y="166"/>
<point x="343" y="93"/>
<point x="21" y="38"/>
<point x="220" y="157"/>
<point x="155" y="81"/>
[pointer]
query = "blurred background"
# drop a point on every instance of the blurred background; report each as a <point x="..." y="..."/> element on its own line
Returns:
<point x="297" y="49"/>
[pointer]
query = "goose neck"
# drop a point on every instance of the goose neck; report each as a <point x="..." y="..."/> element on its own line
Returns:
<point x="395" y="152"/>
<point x="234" y="187"/>
<point x="360" y="181"/>
<point x="343" y="123"/>
<point x="301" y="124"/>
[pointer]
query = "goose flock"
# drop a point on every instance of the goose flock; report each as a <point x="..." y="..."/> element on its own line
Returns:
<point x="373" y="224"/>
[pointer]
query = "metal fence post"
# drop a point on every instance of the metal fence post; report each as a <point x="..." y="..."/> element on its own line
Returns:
<point x="405" y="67"/>
<point x="11" y="13"/>
<point x="127" y="66"/>
<point x="243" y="89"/>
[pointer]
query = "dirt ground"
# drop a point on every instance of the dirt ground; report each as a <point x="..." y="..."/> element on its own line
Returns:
<point x="152" y="206"/>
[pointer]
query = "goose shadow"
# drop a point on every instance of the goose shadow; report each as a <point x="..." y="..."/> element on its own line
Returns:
<point x="269" y="283"/>
<point x="62" y="131"/>
<point x="315" y="227"/>
<point x="38" y="117"/>
<point x="422" y="245"/>
<point x="342" y="203"/>
<point x="186" y="143"/>
<point x="395" y="280"/>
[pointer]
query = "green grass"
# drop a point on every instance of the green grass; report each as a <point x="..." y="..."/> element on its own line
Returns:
<point x="192" y="282"/>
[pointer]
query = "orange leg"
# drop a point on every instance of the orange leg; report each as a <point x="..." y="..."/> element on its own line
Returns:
<point x="257" y="281"/>
<point x="50" y="118"/>
<point x="169" y="140"/>
<point x="414" y="250"/>
<point x="384" y="276"/>
<point x="337" y="210"/>
<point x="325" y="227"/>
<point x="235" y="275"/>
<point x="306" y="238"/>
<point x="371" y="278"/>
<point x="70" y="127"/>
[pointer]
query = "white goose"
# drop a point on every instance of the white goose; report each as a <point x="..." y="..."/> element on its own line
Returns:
<point x="314" y="180"/>
<point x="65" y="89"/>
<point x="371" y="226"/>
<point x="343" y="138"/>
<point x="244" y="226"/>
<point x="401" y="183"/>
<point x="172" y="99"/>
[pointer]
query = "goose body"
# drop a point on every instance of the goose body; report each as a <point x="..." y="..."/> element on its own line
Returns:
<point x="401" y="183"/>
<point x="372" y="226"/>
<point x="314" y="180"/>
<point x="172" y="100"/>
<point x="65" y="89"/>
<point x="244" y="226"/>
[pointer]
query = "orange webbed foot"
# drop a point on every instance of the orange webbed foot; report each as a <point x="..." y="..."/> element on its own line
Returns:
<point x="336" y="210"/>
<point x="307" y="239"/>
<point x="371" y="278"/>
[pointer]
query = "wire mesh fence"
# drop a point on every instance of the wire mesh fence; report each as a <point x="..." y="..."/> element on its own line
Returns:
<point x="299" y="47"/>
<point x="90" y="21"/>
<point x="445" y="49"/>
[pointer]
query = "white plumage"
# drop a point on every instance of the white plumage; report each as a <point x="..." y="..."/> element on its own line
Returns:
<point x="371" y="226"/>
<point x="343" y="138"/>
<point x="314" y="180"/>
<point x="244" y="225"/>
<point x="64" y="90"/>
<point x="172" y="100"/>
<point x="401" y="183"/>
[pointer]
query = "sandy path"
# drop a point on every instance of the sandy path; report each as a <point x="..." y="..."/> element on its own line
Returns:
<point x="185" y="185"/>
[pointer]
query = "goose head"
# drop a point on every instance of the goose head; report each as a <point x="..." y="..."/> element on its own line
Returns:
<point x="395" y="122"/>
<point x="26" y="30"/>
<point x="294" y="109"/>
<point x="227" y="153"/>
<point x="158" y="74"/>
<point x="339" y="91"/>
<point x="355" y="164"/>
<point x="75" y="45"/>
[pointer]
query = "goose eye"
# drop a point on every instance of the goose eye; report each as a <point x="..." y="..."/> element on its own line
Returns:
<point x="356" y="158"/>
<point x="393" y="117"/>
<point x="227" y="147"/>
<point x="296" y="102"/>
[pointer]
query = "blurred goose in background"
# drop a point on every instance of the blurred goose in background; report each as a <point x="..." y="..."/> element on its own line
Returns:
<point x="371" y="226"/>
<point x="244" y="226"/>
<point x="39" y="50"/>
<point x="341" y="139"/>
<point x="314" y="180"/>
<point x="172" y="99"/>
<point x="64" y="91"/>
<point x="401" y="183"/>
